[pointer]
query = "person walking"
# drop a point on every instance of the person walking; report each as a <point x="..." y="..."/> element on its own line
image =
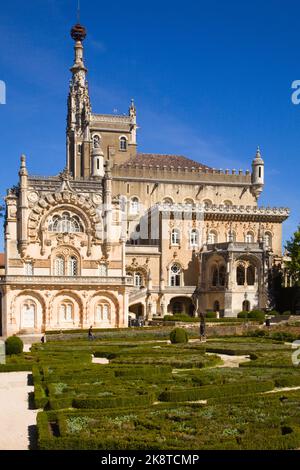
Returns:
<point x="91" y="337"/>
<point x="202" y="327"/>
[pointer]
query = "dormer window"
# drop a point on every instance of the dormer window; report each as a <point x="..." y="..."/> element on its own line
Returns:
<point x="123" y="144"/>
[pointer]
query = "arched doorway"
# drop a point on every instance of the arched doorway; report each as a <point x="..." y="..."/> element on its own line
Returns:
<point x="181" y="306"/>
<point x="246" y="306"/>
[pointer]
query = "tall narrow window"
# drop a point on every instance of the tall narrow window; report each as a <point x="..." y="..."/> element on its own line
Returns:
<point x="212" y="237"/>
<point x="194" y="238"/>
<point x="134" y="206"/>
<point x="268" y="240"/>
<point x="175" y="236"/>
<point x="66" y="312"/>
<point x="222" y="276"/>
<point x="175" y="275"/>
<point x="250" y="275"/>
<point x="240" y="275"/>
<point x="249" y="237"/>
<point x="72" y="266"/>
<point x="123" y="143"/>
<point x="138" y="279"/>
<point x="29" y="269"/>
<point x="59" y="266"/>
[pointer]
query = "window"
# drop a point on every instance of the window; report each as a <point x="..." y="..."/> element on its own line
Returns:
<point x="249" y="237"/>
<point x="66" y="312"/>
<point x="29" y="269"/>
<point x="218" y="276"/>
<point x="175" y="275"/>
<point x="102" y="313"/>
<point x="189" y="201"/>
<point x="72" y="266"/>
<point x="134" y="206"/>
<point x="212" y="237"/>
<point x="207" y="202"/>
<point x="194" y="238"/>
<point x="231" y="236"/>
<point x="167" y="200"/>
<point x="59" y="266"/>
<point x="175" y="236"/>
<point x="96" y="141"/>
<point x="177" y="308"/>
<point x="102" y="270"/>
<point x="216" y="306"/>
<point x="65" y="223"/>
<point x="240" y="275"/>
<point x="138" y="279"/>
<point x="246" y="306"/>
<point x="250" y="275"/>
<point x="268" y="239"/>
<point x="28" y="314"/>
<point x="123" y="144"/>
<point x="259" y="171"/>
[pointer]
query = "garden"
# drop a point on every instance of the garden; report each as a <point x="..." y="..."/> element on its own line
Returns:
<point x="155" y="394"/>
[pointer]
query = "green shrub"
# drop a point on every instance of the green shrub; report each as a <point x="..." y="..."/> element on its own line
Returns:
<point x="283" y="336"/>
<point x="40" y="398"/>
<point x="257" y="314"/>
<point x="243" y="314"/>
<point x="179" y="335"/>
<point x="274" y="313"/>
<point x="212" y="391"/>
<point x="13" y="345"/>
<point x="181" y="317"/>
<point x="287" y="312"/>
<point x="211" y="315"/>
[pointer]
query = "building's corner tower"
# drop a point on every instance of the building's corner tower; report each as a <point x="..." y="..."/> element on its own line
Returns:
<point x="79" y="112"/>
<point x="257" y="177"/>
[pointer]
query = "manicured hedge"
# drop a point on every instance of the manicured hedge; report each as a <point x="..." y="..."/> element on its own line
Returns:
<point x="209" y="391"/>
<point x="13" y="345"/>
<point x="114" y="402"/>
<point x="15" y="367"/>
<point x="179" y="335"/>
<point x="40" y="398"/>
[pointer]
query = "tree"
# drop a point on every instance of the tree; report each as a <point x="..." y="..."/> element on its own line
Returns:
<point x="293" y="251"/>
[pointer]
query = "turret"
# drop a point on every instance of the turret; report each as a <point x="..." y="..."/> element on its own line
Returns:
<point x="257" y="177"/>
<point x="97" y="158"/>
<point x="23" y="206"/>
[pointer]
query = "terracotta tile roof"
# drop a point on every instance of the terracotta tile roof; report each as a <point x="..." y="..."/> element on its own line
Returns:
<point x="164" y="160"/>
<point x="2" y="260"/>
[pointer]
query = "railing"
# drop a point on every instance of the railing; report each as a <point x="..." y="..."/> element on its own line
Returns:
<point x="68" y="280"/>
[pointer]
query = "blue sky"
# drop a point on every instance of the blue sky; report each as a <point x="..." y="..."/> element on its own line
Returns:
<point x="211" y="80"/>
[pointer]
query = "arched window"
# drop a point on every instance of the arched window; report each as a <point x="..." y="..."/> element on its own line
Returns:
<point x="216" y="306"/>
<point x="240" y="275"/>
<point x="250" y="275"/>
<point x="72" y="266"/>
<point x="194" y="237"/>
<point x="189" y="201"/>
<point x="66" y="312"/>
<point x="175" y="236"/>
<point x="134" y="206"/>
<point x="138" y="279"/>
<point x="246" y="306"/>
<point x="28" y="314"/>
<point x="59" y="266"/>
<point x="123" y="143"/>
<point x="268" y="239"/>
<point x="249" y="238"/>
<point x="65" y="223"/>
<point x="207" y="202"/>
<point x="212" y="237"/>
<point x="167" y="200"/>
<point x="102" y="313"/>
<point x="103" y="270"/>
<point x="175" y="275"/>
<point x="96" y="141"/>
<point x="218" y="277"/>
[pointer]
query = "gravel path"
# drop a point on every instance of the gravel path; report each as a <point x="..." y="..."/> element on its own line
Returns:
<point x="17" y="421"/>
<point x="231" y="361"/>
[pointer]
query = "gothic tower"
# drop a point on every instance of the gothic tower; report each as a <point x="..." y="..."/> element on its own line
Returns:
<point x="79" y="112"/>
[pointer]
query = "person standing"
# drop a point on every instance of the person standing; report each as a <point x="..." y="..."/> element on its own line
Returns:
<point x="90" y="334"/>
<point x="202" y="327"/>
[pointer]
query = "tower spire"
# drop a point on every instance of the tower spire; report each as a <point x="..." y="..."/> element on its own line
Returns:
<point x="78" y="12"/>
<point x="79" y="109"/>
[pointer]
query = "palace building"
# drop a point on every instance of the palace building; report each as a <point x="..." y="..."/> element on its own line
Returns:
<point x="121" y="234"/>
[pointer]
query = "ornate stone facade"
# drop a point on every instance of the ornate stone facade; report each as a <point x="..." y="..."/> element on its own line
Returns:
<point x="120" y="233"/>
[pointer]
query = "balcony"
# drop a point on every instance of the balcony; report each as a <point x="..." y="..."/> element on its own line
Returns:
<point x="67" y="280"/>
